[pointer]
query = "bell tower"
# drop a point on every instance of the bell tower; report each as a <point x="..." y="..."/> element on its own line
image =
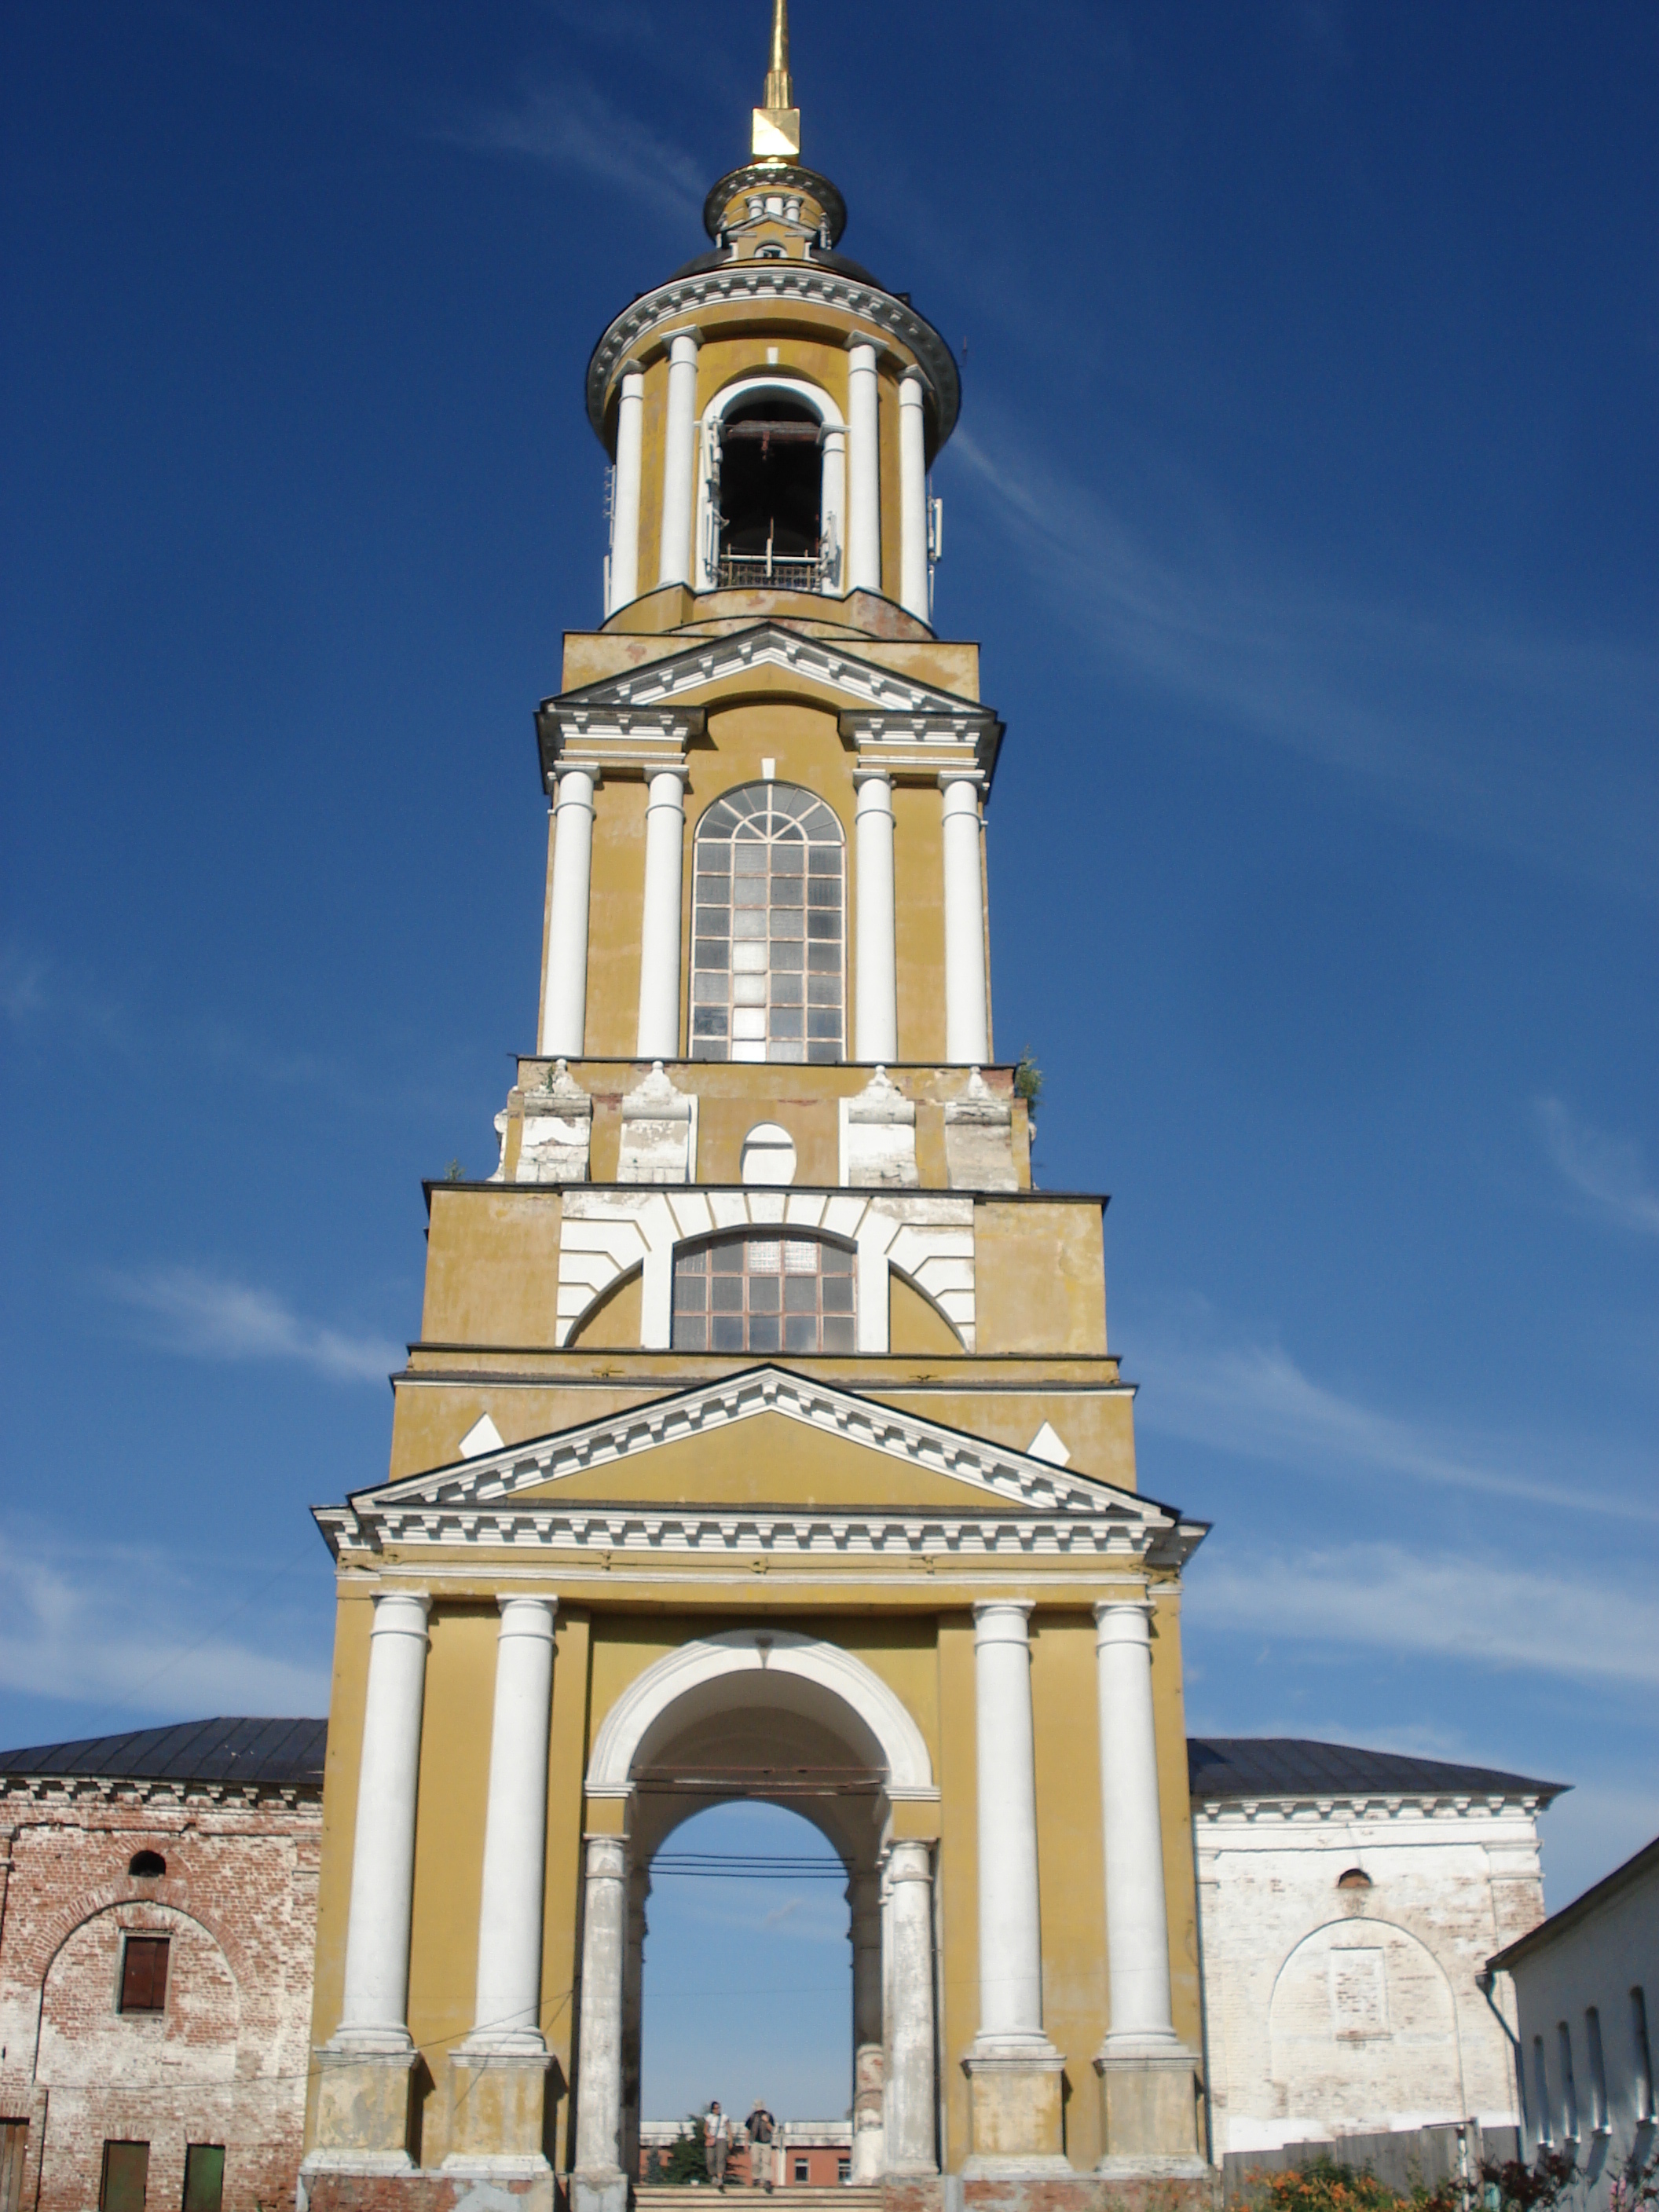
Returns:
<point x="762" y="1437"/>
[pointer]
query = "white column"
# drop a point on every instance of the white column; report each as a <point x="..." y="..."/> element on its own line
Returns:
<point x="877" y="981"/>
<point x="625" y="492"/>
<point x="598" y="2084"/>
<point x="864" y="470"/>
<point x="908" y="2093"/>
<point x="967" y="1021"/>
<point x="864" y="1895"/>
<point x="659" y="925"/>
<point x="374" y="2013"/>
<point x="564" y="1006"/>
<point x="913" y="496"/>
<point x="507" y="2014"/>
<point x="1009" y="1925"/>
<point x="679" y="460"/>
<point x="639" y="1889"/>
<point x="1137" y="1929"/>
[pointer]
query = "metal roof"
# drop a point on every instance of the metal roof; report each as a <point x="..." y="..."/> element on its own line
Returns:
<point x="227" y="1749"/>
<point x="1223" y="1767"/>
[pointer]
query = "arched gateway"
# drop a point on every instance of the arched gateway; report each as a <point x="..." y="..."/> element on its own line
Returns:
<point x="762" y="1438"/>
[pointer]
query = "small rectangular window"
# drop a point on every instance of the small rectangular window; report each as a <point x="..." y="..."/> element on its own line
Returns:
<point x="1639" y="2030"/>
<point x="126" y="2175"/>
<point x="145" y="1974"/>
<point x="205" y="2177"/>
<point x="803" y="2169"/>
<point x="843" y="2169"/>
<point x="13" y="2150"/>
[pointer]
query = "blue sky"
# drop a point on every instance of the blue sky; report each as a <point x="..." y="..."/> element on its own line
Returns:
<point x="1305" y="502"/>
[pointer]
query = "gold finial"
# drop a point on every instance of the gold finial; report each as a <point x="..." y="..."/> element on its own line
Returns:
<point x="777" y="122"/>
<point x="780" y="91"/>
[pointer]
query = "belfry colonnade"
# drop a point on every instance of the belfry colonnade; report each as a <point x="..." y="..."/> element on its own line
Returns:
<point x="1013" y="2068"/>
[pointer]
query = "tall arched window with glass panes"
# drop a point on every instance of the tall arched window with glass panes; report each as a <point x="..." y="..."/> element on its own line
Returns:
<point x="769" y="936"/>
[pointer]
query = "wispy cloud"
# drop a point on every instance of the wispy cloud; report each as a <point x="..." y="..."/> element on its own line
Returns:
<point x="1495" y="1612"/>
<point x="210" y="1317"/>
<point x="1609" y="1173"/>
<point x="128" y="1628"/>
<point x="569" y="125"/>
<point x="23" y="983"/>
<point x="1535" y="745"/>
<point x="1250" y="1397"/>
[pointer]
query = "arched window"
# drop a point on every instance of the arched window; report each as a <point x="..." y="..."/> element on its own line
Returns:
<point x="146" y="1865"/>
<point x="767" y="929"/>
<point x="764" y="1292"/>
<point x="1355" y="1878"/>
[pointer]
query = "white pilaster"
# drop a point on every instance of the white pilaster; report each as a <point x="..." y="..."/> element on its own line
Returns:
<point x="564" y="1005"/>
<point x="913" y="496"/>
<point x="625" y="492"/>
<point x="864" y="469"/>
<point x="659" y="924"/>
<point x="1010" y="1923"/>
<point x="600" y="2182"/>
<point x="967" y="1017"/>
<point x="374" y="2011"/>
<point x="1137" y="1926"/>
<point x="679" y="460"/>
<point x="910" y="2110"/>
<point x="876" y="981"/>
<point x="507" y="2014"/>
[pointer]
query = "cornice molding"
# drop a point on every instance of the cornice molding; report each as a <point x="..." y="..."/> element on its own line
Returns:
<point x="764" y="284"/>
<point x="160" y="1794"/>
<point x="1302" y="1813"/>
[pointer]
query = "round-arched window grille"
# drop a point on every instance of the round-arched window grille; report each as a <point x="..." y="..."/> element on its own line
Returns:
<point x="768" y="929"/>
<point x="761" y="1292"/>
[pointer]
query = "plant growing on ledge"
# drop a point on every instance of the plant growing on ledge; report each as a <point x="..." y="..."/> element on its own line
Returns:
<point x="452" y="1172"/>
<point x="1028" y="1081"/>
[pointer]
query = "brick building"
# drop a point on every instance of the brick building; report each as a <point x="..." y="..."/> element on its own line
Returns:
<point x="158" y="1906"/>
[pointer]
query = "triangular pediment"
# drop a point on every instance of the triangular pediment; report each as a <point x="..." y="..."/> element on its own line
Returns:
<point x="841" y="679"/>
<point x="764" y="1442"/>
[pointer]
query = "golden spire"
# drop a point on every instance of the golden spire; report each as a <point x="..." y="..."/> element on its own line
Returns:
<point x="779" y="90"/>
<point x="777" y="122"/>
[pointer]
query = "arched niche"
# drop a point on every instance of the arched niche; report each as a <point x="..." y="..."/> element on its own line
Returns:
<point x="1363" y="2024"/>
<point x="86" y="2041"/>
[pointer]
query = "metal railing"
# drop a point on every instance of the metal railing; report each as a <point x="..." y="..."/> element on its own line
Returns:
<point x="775" y="572"/>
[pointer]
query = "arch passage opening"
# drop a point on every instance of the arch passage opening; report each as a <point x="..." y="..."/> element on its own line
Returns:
<point x="771" y="496"/>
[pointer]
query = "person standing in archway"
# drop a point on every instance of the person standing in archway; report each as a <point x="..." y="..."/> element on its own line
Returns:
<point x="763" y="2134"/>
<point x="717" y="2143"/>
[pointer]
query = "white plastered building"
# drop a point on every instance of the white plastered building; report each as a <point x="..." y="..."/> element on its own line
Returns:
<point x="1348" y="1903"/>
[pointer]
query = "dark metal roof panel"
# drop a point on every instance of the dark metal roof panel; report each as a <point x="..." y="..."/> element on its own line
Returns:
<point x="227" y="1749"/>
<point x="1292" y="1766"/>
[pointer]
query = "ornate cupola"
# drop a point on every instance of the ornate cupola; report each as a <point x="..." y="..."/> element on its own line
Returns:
<point x="772" y="411"/>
